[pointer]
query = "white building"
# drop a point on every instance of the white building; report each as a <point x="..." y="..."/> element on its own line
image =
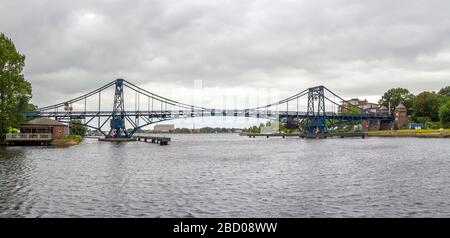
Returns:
<point x="363" y="104"/>
<point x="164" y="128"/>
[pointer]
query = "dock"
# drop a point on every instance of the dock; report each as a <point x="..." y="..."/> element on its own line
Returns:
<point x="161" y="140"/>
<point x="113" y="139"/>
<point x="28" y="138"/>
<point x="311" y="136"/>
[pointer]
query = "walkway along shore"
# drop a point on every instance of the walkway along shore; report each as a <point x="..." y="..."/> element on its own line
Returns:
<point x="393" y="134"/>
<point x="416" y="135"/>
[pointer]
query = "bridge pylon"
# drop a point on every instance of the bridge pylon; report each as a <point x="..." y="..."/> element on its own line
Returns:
<point x="315" y="121"/>
<point x="117" y="122"/>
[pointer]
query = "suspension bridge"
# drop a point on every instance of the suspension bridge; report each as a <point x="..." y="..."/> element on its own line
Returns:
<point x="318" y="118"/>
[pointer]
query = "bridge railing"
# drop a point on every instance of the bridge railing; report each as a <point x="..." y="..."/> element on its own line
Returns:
<point x="28" y="136"/>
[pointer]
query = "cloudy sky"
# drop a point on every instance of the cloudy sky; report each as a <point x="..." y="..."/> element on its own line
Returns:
<point x="356" y="48"/>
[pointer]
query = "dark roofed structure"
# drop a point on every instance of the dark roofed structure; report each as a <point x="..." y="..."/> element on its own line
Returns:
<point x="38" y="131"/>
<point x="42" y="121"/>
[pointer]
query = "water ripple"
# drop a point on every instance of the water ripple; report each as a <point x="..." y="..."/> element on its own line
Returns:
<point x="229" y="176"/>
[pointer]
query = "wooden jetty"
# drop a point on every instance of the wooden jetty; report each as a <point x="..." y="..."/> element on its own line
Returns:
<point x="113" y="139"/>
<point x="312" y="136"/>
<point x="28" y="138"/>
<point x="161" y="140"/>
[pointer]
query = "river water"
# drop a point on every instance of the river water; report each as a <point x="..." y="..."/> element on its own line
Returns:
<point x="225" y="175"/>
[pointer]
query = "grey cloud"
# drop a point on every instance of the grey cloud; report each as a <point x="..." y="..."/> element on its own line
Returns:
<point x="355" y="47"/>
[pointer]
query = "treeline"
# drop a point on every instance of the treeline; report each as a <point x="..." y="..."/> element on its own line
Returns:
<point x="432" y="109"/>
<point x="207" y="130"/>
<point x="275" y="125"/>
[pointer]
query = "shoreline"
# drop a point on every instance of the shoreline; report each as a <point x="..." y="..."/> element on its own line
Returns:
<point x="419" y="133"/>
<point x="387" y="134"/>
<point x="411" y="135"/>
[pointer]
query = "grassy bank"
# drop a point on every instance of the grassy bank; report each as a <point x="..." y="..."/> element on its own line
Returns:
<point x="68" y="141"/>
<point x="409" y="131"/>
<point x="423" y="133"/>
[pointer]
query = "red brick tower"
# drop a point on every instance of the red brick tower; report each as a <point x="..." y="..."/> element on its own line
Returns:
<point x="401" y="116"/>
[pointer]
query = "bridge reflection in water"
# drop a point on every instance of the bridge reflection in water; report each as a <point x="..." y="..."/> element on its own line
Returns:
<point x="317" y="119"/>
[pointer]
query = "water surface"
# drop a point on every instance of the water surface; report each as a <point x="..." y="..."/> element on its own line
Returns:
<point x="225" y="175"/>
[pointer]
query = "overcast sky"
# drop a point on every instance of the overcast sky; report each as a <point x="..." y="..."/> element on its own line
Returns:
<point x="356" y="48"/>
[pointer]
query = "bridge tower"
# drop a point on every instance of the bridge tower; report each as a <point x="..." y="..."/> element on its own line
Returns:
<point x="315" y="121"/>
<point x="118" y="115"/>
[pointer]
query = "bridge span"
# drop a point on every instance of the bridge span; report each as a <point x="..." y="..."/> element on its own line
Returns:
<point x="318" y="118"/>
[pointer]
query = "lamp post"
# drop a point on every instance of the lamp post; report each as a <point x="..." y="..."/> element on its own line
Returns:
<point x="68" y="108"/>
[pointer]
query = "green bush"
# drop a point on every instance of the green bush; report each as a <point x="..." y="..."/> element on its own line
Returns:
<point x="76" y="138"/>
<point x="432" y="125"/>
<point x="77" y="128"/>
<point x="422" y="120"/>
<point x="444" y="114"/>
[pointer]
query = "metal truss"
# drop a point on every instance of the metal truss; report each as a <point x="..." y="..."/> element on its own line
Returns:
<point x="316" y="119"/>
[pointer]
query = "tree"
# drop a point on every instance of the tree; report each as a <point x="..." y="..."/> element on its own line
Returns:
<point x="254" y="129"/>
<point x="77" y="128"/>
<point x="427" y="105"/>
<point x="395" y="96"/>
<point x="15" y="91"/>
<point x="444" y="91"/>
<point x="444" y="114"/>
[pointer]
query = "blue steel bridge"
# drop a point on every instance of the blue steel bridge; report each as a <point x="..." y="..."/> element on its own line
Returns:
<point x="320" y="115"/>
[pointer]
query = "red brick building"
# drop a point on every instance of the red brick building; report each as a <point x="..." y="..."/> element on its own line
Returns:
<point x="39" y="131"/>
<point x="400" y="113"/>
<point x="401" y="117"/>
<point x="44" y="125"/>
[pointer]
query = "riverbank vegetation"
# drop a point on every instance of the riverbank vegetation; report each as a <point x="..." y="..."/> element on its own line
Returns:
<point x="274" y="126"/>
<point x="77" y="128"/>
<point x="431" y="109"/>
<point x="410" y="131"/>
<point x="68" y="141"/>
<point x="419" y="133"/>
<point x="77" y="133"/>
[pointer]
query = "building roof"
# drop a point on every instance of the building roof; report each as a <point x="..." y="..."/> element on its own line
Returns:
<point x="43" y="121"/>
